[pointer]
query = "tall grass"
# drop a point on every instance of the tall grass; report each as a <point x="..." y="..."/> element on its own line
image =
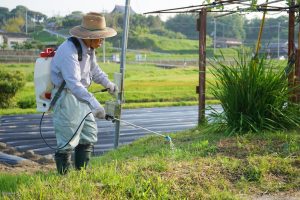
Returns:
<point x="254" y="95"/>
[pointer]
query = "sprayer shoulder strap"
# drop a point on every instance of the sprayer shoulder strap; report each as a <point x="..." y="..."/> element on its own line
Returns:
<point x="77" y="44"/>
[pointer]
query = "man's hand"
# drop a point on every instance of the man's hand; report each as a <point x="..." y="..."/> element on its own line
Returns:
<point x="99" y="113"/>
<point x="112" y="88"/>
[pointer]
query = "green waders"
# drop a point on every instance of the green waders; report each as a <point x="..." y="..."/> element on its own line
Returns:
<point x="67" y="116"/>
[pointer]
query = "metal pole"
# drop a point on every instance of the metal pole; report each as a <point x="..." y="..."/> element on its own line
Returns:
<point x="103" y="46"/>
<point x="122" y="71"/>
<point x="278" y="41"/>
<point x="26" y="21"/>
<point x="215" y="35"/>
<point x="202" y="65"/>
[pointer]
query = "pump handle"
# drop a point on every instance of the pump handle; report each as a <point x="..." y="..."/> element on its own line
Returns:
<point x="109" y="117"/>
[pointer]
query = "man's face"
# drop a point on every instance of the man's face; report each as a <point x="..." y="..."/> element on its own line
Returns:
<point x="93" y="43"/>
<point x="96" y="43"/>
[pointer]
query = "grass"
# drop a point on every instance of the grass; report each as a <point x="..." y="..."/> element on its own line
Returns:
<point x="44" y="36"/>
<point x="145" y="86"/>
<point x="204" y="165"/>
<point x="254" y="95"/>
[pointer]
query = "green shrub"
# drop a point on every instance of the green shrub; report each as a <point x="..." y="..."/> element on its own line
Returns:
<point x="254" y="95"/>
<point x="252" y="174"/>
<point x="30" y="77"/>
<point x="27" y="102"/>
<point x="10" y="83"/>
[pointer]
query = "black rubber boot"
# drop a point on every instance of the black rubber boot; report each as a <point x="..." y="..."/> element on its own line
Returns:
<point x="63" y="162"/>
<point x="82" y="155"/>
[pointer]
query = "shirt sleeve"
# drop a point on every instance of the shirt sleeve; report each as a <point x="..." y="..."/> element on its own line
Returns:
<point x="72" y="75"/>
<point x="98" y="76"/>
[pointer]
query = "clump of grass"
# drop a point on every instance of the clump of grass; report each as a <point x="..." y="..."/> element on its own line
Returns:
<point x="254" y="94"/>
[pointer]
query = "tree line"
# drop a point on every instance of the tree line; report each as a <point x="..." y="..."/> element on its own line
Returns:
<point x="178" y="27"/>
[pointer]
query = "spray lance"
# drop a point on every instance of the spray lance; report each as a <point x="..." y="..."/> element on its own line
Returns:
<point x="112" y="108"/>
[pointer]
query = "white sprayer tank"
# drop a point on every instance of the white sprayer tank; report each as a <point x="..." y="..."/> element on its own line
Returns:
<point x="42" y="80"/>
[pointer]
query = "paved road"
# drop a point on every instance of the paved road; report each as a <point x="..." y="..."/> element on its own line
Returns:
<point x="22" y="131"/>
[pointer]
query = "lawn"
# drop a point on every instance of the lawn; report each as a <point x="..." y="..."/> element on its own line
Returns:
<point x="205" y="164"/>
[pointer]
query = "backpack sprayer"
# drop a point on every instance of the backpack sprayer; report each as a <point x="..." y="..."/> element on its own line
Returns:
<point x="45" y="101"/>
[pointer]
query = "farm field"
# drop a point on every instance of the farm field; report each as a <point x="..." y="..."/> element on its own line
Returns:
<point x="145" y="86"/>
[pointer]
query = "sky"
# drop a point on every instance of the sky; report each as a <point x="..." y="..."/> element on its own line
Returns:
<point x="65" y="7"/>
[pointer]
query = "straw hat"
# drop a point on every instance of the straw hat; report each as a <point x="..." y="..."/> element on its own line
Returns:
<point x="93" y="26"/>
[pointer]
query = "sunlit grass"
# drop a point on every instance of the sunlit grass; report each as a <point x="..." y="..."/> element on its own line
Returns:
<point x="145" y="86"/>
<point x="203" y="165"/>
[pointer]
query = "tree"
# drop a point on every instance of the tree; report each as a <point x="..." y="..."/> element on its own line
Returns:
<point x="4" y="15"/>
<point x="73" y="19"/>
<point x="183" y="23"/>
<point x="14" y="24"/>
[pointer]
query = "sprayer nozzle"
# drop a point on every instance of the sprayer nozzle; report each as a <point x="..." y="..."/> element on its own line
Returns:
<point x="168" y="138"/>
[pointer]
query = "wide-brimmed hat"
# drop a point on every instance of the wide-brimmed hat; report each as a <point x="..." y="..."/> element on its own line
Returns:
<point x="93" y="26"/>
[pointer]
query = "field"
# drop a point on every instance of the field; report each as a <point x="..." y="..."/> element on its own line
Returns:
<point x="145" y="86"/>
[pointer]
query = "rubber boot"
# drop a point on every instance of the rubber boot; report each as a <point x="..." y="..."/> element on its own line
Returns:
<point x="82" y="155"/>
<point x="63" y="162"/>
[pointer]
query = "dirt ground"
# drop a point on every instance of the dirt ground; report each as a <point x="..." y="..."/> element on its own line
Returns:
<point x="33" y="162"/>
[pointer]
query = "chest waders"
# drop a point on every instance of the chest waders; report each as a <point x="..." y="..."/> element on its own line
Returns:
<point x="82" y="151"/>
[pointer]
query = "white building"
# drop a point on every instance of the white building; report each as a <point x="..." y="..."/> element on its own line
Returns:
<point x="12" y="39"/>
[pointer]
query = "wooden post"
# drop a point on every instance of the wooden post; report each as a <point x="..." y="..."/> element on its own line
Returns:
<point x="297" y="75"/>
<point x="201" y="27"/>
<point x="291" y="49"/>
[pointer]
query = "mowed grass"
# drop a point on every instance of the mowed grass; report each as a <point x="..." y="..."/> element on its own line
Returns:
<point x="204" y="165"/>
<point x="145" y="86"/>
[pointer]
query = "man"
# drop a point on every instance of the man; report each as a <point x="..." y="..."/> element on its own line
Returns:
<point x="70" y="112"/>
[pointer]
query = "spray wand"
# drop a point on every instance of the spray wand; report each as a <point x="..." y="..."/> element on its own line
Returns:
<point x="113" y="119"/>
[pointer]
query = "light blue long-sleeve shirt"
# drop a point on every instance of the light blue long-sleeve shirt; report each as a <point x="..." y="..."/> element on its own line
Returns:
<point x="77" y="74"/>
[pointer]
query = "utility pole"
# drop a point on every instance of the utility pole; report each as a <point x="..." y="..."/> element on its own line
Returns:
<point x="122" y="71"/>
<point x="103" y="46"/>
<point x="278" y="41"/>
<point x="26" y="21"/>
<point x="215" y="35"/>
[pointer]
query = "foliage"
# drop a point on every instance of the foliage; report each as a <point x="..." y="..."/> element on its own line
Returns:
<point x="10" y="20"/>
<point x="254" y="95"/>
<point x="167" y="33"/>
<point x="73" y="19"/>
<point x="185" y="24"/>
<point x="14" y="24"/>
<point x="10" y="83"/>
<point x="27" y="102"/>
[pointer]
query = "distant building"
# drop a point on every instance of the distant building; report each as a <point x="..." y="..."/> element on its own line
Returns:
<point x="227" y="42"/>
<point x="273" y="49"/>
<point x="121" y="9"/>
<point x="12" y="39"/>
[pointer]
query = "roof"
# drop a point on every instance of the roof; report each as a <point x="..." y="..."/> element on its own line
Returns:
<point x="121" y="9"/>
<point x="14" y="35"/>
